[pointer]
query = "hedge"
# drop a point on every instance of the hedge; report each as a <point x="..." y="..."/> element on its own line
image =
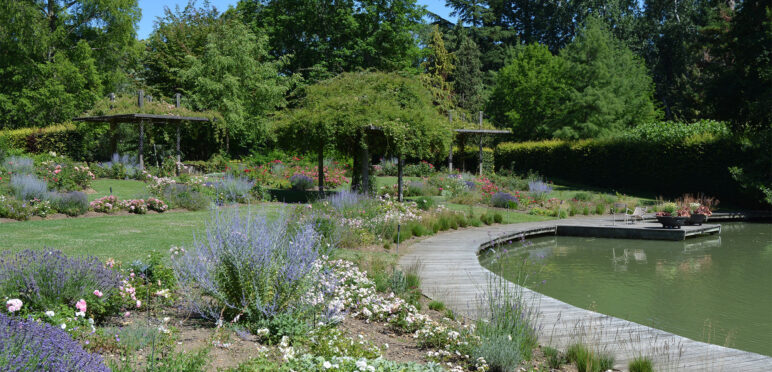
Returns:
<point x="658" y="168"/>
<point x="61" y="138"/>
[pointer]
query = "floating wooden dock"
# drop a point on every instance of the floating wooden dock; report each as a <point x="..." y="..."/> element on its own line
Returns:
<point x="451" y="273"/>
<point x="640" y="230"/>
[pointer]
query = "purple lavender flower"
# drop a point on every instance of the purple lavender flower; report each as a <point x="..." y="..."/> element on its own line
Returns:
<point x="47" y="279"/>
<point x="503" y="199"/>
<point x="346" y="199"/>
<point x="539" y="189"/>
<point x="26" y="345"/>
<point x="247" y="265"/>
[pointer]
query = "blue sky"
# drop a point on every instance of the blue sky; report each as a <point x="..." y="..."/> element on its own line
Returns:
<point x="155" y="8"/>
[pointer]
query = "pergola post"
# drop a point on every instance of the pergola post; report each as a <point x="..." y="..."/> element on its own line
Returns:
<point x="321" y="170"/>
<point x="400" y="179"/>
<point x="450" y="154"/>
<point x="179" y="157"/>
<point x="481" y="144"/>
<point x="141" y="103"/>
<point x="113" y="129"/>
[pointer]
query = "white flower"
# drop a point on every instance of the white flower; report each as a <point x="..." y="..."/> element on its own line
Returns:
<point x="263" y="332"/>
<point x="80" y="314"/>
<point x="64" y="326"/>
<point x="361" y="364"/>
<point x="327" y="365"/>
<point x="50" y="313"/>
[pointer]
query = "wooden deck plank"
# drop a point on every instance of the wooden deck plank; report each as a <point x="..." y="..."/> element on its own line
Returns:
<point x="451" y="272"/>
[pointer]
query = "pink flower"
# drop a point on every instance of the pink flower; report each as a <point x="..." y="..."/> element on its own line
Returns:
<point x="139" y="304"/>
<point x="81" y="305"/>
<point x="98" y="293"/>
<point x="126" y="314"/>
<point x="56" y="171"/>
<point x="13" y="305"/>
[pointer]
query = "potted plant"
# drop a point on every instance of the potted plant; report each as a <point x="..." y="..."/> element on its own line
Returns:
<point x="699" y="215"/>
<point x="669" y="221"/>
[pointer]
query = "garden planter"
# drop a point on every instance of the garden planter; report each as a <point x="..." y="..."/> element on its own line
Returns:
<point x="697" y="219"/>
<point x="670" y="222"/>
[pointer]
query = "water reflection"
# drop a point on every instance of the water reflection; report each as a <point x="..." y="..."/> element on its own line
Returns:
<point x="676" y="286"/>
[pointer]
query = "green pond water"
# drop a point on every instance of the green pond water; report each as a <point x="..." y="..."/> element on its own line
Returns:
<point x="715" y="289"/>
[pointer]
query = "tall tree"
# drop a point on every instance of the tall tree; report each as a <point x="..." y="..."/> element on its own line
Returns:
<point x="530" y="93"/>
<point x="58" y="57"/>
<point x="437" y="67"/>
<point x="235" y="76"/>
<point x="468" y="78"/>
<point x="178" y="34"/>
<point x="322" y="38"/>
<point x="611" y="89"/>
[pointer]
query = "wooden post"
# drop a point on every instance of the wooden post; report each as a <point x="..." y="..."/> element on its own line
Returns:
<point x="321" y="170"/>
<point x="365" y="164"/>
<point x="113" y="130"/>
<point x="481" y="144"/>
<point x="141" y="144"/>
<point x="450" y="155"/>
<point x="179" y="156"/>
<point x="141" y="104"/>
<point x="400" y="181"/>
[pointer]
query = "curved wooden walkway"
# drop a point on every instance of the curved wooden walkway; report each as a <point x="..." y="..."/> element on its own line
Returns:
<point x="451" y="273"/>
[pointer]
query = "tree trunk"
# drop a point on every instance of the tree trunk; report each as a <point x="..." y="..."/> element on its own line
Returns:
<point x="365" y="164"/>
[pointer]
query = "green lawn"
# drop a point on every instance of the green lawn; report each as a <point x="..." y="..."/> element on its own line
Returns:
<point x="123" y="189"/>
<point x="509" y="215"/>
<point x="124" y="238"/>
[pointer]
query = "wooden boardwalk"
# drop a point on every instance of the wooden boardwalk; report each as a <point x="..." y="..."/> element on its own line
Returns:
<point x="451" y="273"/>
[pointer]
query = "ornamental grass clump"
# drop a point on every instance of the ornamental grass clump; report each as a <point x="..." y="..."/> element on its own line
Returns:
<point x="44" y="280"/>
<point x="27" y="345"/>
<point x="247" y="267"/>
<point x="73" y="203"/>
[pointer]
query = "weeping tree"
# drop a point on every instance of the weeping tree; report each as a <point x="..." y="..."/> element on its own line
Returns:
<point x="365" y="112"/>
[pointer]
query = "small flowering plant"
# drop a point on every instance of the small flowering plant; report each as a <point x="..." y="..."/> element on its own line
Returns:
<point x="158" y="205"/>
<point x="137" y="206"/>
<point x="105" y="204"/>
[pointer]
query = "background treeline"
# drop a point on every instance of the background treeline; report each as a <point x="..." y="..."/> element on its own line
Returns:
<point x="569" y="70"/>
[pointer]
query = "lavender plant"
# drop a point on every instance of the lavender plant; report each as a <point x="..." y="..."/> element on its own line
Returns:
<point x="503" y="200"/>
<point x="19" y="165"/>
<point x="247" y="267"/>
<point x="539" y="189"/>
<point x="233" y="189"/>
<point x="47" y="279"/>
<point x="28" y="187"/>
<point x="26" y="345"/>
<point x="346" y="199"/>
<point x="72" y="203"/>
<point x="301" y="182"/>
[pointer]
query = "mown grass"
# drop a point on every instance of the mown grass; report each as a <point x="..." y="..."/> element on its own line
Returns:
<point x="509" y="216"/>
<point x="124" y="238"/>
<point x="123" y="189"/>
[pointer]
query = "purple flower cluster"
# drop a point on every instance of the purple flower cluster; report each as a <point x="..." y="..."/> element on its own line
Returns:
<point x="26" y="345"/>
<point x="539" y="188"/>
<point x="301" y="182"/>
<point x="503" y="199"/>
<point x="46" y="279"/>
<point x="247" y="267"/>
<point x="234" y="189"/>
<point x="346" y="199"/>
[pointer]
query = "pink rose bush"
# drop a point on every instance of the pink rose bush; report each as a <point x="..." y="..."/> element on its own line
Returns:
<point x="137" y="206"/>
<point x="105" y="204"/>
<point x="13" y="305"/>
<point x="155" y="204"/>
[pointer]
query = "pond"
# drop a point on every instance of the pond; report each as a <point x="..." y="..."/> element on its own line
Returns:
<point x="716" y="289"/>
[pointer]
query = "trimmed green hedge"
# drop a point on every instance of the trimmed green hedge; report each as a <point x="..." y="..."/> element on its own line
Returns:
<point x="61" y="138"/>
<point x="469" y="159"/>
<point x="662" y="168"/>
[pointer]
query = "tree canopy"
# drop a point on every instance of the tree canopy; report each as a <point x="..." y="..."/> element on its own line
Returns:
<point x="386" y="112"/>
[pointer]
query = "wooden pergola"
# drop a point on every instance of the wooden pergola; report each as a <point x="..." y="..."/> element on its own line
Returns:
<point x="143" y="119"/>
<point x="480" y="133"/>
